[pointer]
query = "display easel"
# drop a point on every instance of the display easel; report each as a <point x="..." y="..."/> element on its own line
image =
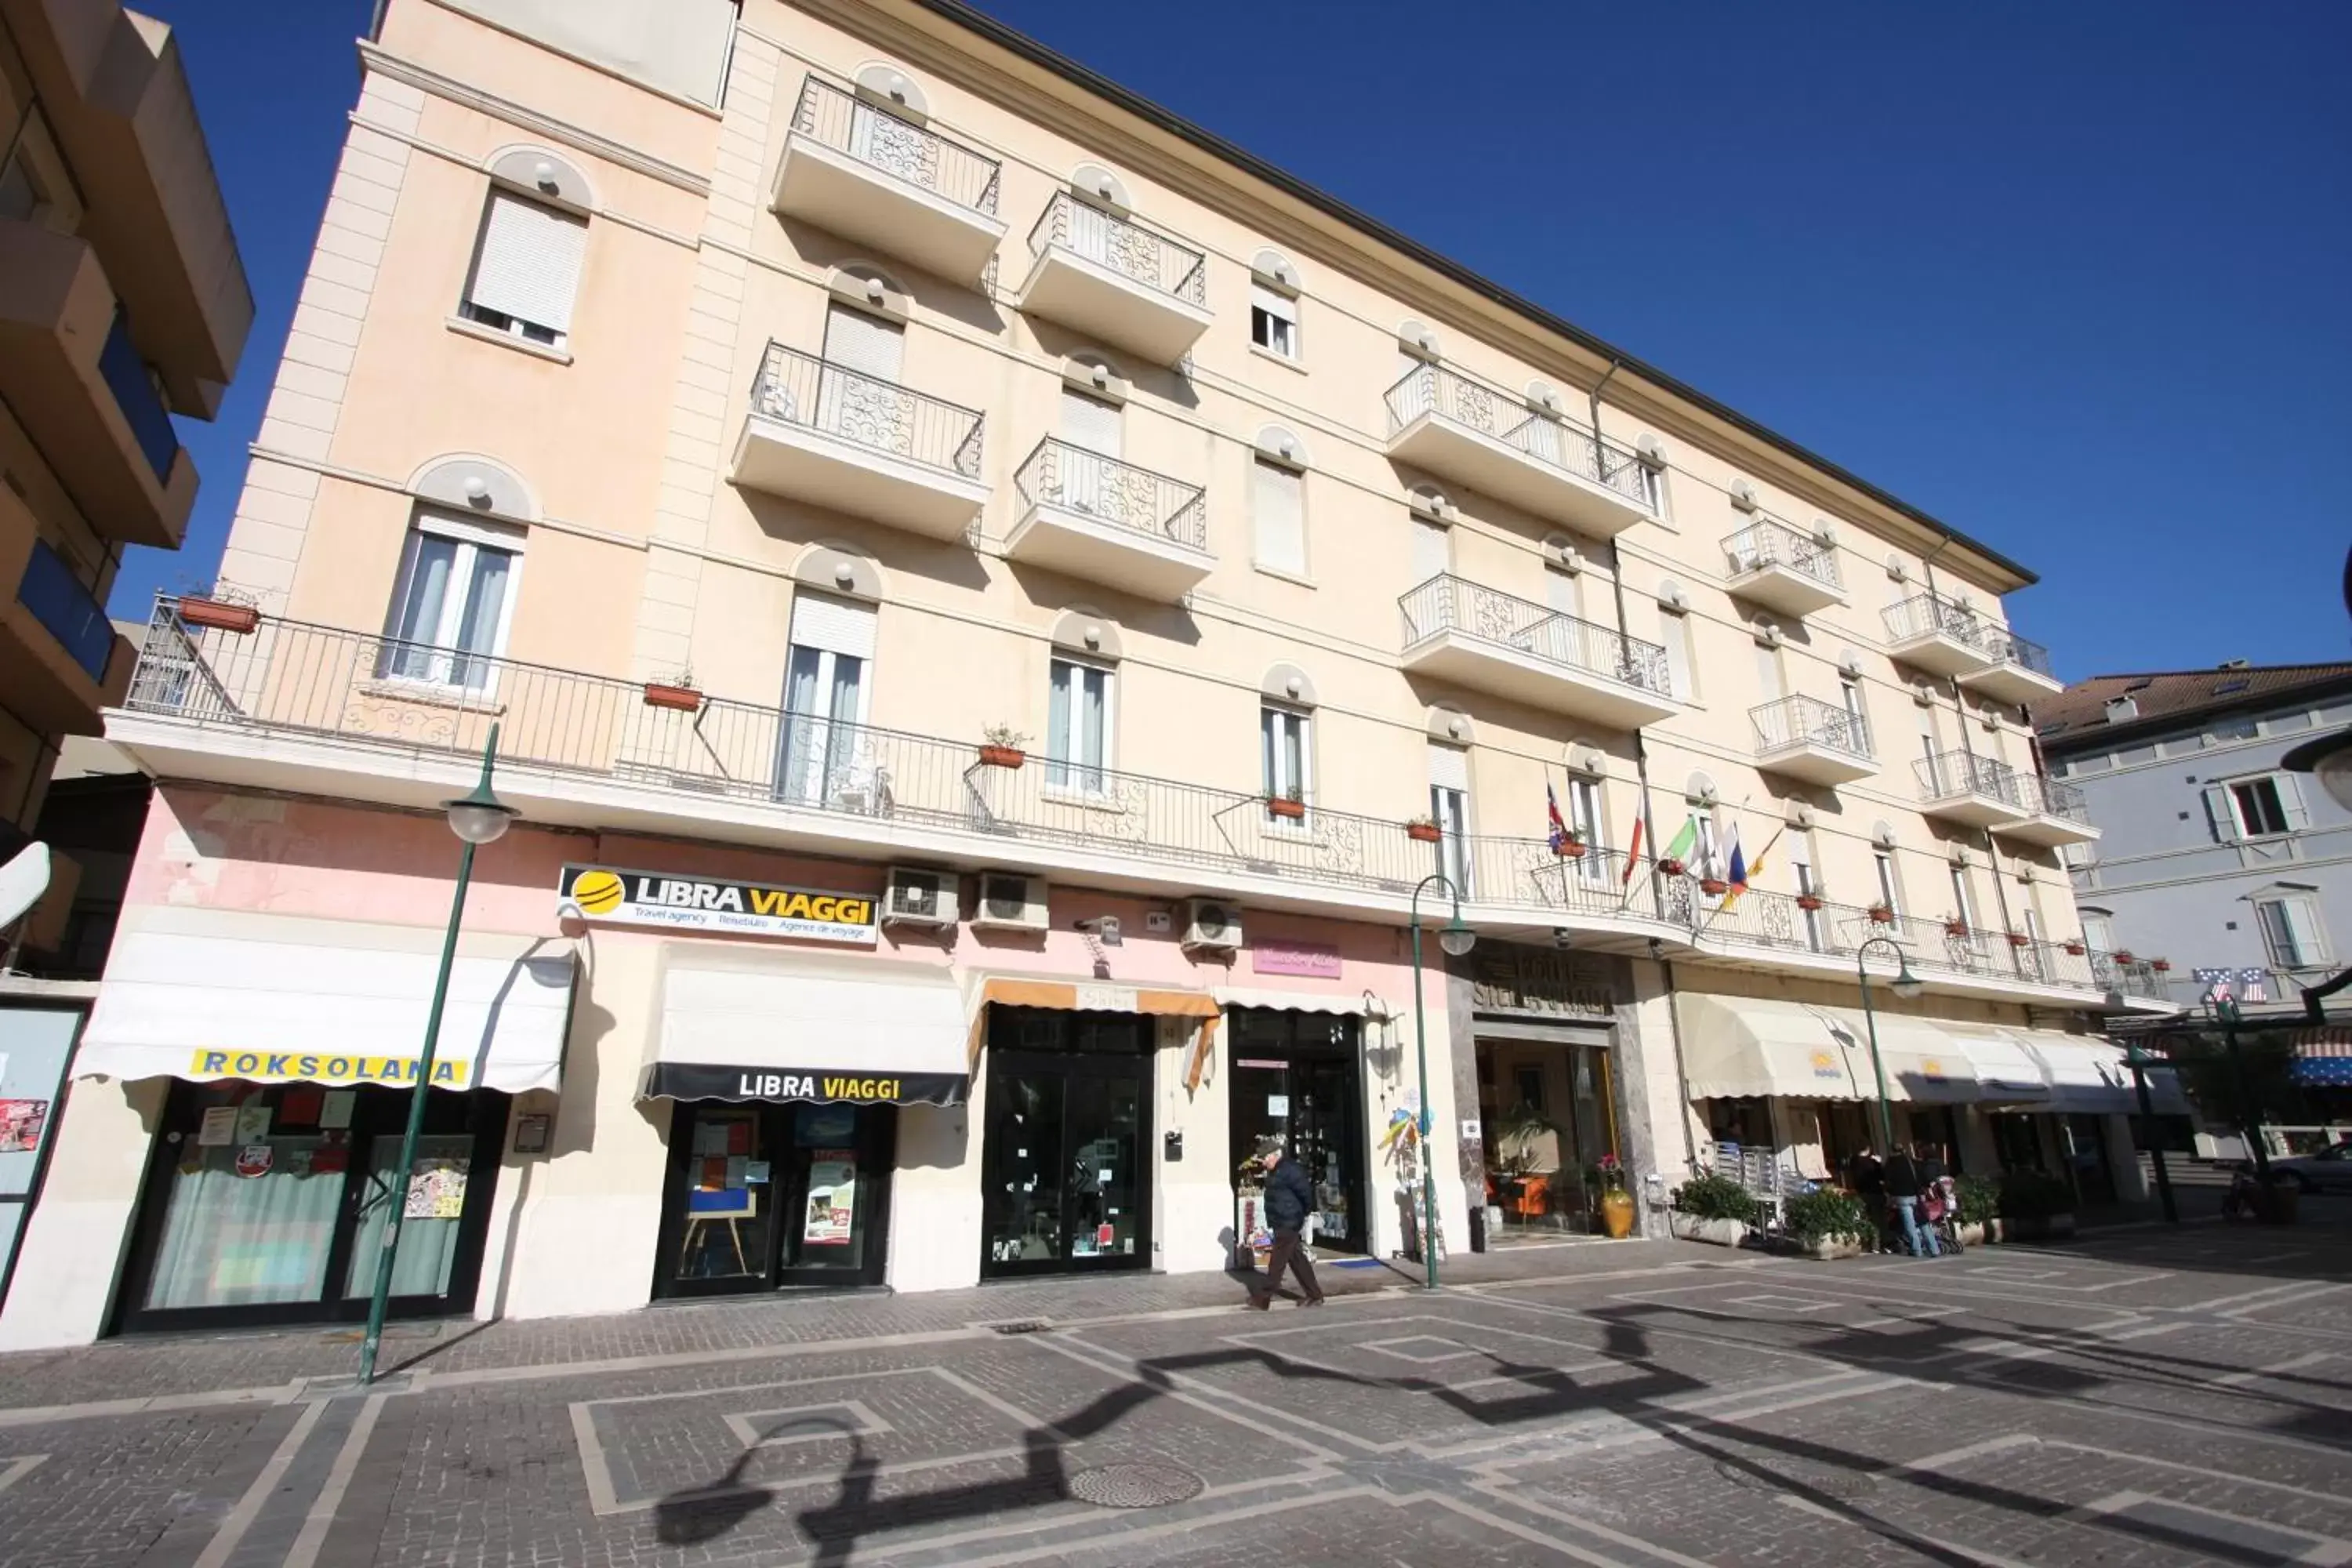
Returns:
<point x="729" y="1207"/>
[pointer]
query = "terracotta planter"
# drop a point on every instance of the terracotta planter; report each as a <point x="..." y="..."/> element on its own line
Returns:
<point x="1957" y="929"/>
<point x="1714" y="887"/>
<point x="1003" y="756"/>
<point x="1294" y="810"/>
<point x="220" y="616"/>
<point x="2124" y="957"/>
<point x="1807" y="903"/>
<point x="1571" y="850"/>
<point x="679" y="699"/>
<point x="2019" y="939"/>
<point x="2076" y="949"/>
<point x="1616" y="1206"/>
<point x="1882" y="916"/>
<point x="1424" y="831"/>
<point x="2160" y="965"/>
<point x="1670" y="867"/>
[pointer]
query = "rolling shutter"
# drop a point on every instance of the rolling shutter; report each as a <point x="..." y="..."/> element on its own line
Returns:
<point x="529" y="263"/>
<point x="866" y="346"/>
<point x="1281" y="522"/>
<point x="1449" y="768"/>
<point x="1090" y="422"/>
<point x="835" y="625"/>
<point x="1432" y="550"/>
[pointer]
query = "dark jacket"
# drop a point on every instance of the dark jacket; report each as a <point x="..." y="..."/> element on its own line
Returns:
<point x="1864" y="1175"/>
<point x="1289" y="1195"/>
<point x="1903" y="1177"/>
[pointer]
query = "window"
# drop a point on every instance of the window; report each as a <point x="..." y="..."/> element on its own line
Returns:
<point x="825" y="757"/>
<point x="1433" y="550"/>
<point x="1078" y="726"/>
<point x="1449" y="807"/>
<point x="2291" y="930"/>
<point x="453" y="599"/>
<point x="2098" y="929"/>
<point x="1280" y="511"/>
<point x="1564" y="592"/>
<point x="1890" y="889"/>
<point x="1273" y="322"/>
<point x="526" y="269"/>
<point x="2255" y="808"/>
<point x="1767" y="673"/>
<point x="1682" y="668"/>
<point x="1800" y="864"/>
<point x="1963" y="906"/>
<point x="1288" y="758"/>
<point x="1850" y="692"/>
<point x="871" y="346"/>
<point x="1710" y="861"/>
<point x="1091" y="423"/>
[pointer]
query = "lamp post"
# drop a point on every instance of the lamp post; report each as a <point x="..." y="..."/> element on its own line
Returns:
<point x="1907" y="986"/>
<point x="476" y="819"/>
<point x="1456" y="939"/>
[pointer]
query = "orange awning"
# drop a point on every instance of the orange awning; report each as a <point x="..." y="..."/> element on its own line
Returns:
<point x="1075" y="996"/>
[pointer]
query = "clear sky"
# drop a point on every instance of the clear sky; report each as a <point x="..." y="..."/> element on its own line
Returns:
<point x="2076" y="278"/>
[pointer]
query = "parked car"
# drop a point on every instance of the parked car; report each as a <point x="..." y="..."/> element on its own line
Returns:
<point x="2327" y="1171"/>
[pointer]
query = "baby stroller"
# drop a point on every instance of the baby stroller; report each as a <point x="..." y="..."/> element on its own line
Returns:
<point x="1940" y="1206"/>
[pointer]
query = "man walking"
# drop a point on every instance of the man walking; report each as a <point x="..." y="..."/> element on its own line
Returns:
<point x="1907" y="1183"/>
<point x="1289" y="1198"/>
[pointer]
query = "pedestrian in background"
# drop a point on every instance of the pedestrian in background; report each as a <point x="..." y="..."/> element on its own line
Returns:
<point x="1289" y="1199"/>
<point x="1866" y="1179"/>
<point x="1907" y="1185"/>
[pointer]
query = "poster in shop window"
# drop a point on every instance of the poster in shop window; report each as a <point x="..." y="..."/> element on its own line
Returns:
<point x="20" y="1124"/>
<point x="832" y="1198"/>
<point x="436" y="1190"/>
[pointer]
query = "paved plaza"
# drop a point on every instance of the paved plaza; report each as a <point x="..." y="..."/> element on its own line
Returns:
<point x="2142" y="1397"/>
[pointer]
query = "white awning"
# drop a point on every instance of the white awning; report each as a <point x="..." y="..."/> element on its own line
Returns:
<point x="1739" y="1046"/>
<point x="1360" y="1004"/>
<point x="2006" y="1071"/>
<point x="219" y="993"/>
<point x="750" y="1022"/>
<point x="2095" y="1077"/>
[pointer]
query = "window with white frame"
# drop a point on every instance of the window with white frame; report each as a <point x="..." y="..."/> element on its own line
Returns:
<point x="1285" y="738"/>
<point x="1800" y="868"/>
<point x="1963" y="906"/>
<point x="2098" y="929"/>
<point x="825" y="757"/>
<point x="1433" y="550"/>
<point x="1890" y="886"/>
<point x="452" y="603"/>
<point x="526" y="269"/>
<point x="1274" y="321"/>
<point x="1682" y="666"/>
<point x="2292" y="933"/>
<point x="2257" y="807"/>
<point x="1079" y="726"/>
<point x="1279" y="509"/>
<point x="1449" y="807"/>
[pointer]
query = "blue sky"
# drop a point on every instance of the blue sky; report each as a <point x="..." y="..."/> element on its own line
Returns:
<point x="2070" y="277"/>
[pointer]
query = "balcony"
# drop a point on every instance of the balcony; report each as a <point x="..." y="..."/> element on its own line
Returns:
<point x="1489" y="641"/>
<point x="857" y="170"/>
<point x="831" y="438"/>
<point x="74" y="379"/>
<point x="2020" y="672"/>
<point x="1976" y="790"/>
<point x="1805" y="738"/>
<point x="1497" y="444"/>
<point x="1116" y="281"/>
<point x="1774" y="565"/>
<point x="1110" y="522"/>
<point x="1930" y="632"/>
<point x="57" y="646"/>
<point x="2058" y="815"/>
<point x="1829" y="936"/>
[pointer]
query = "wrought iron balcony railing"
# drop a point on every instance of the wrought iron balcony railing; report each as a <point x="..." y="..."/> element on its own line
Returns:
<point x="801" y="389"/>
<point x="66" y="609"/>
<point x="842" y="121"/>
<point x="1809" y="720"/>
<point x="293" y="679"/>
<point x="1768" y="543"/>
<point x="2007" y="647"/>
<point x="2051" y="797"/>
<point x="1922" y="613"/>
<point x="1449" y="603"/>
<point x="1431" y="389"/>
<point x="1058" y="474"/>
<point x="1127" y="248"/>
<point x="1949" y="774"/>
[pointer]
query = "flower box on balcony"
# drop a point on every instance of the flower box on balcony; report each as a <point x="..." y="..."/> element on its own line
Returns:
<point x="1570" y="849"/>
<point x="678" y="699"/>
<point x="1425" y="832"/>
<point x="2019" y="939"/>
<point x="1714" y="887"/>
<point x="1284" y="806"/>
<point x="1808" y="902"/>
<point x="220" y="615"/>
<point x="1002" y="757"/>
<point x="2124" y="957"/>
<point x="1880" y="914"/>
<point x="1957" y="930"/>
<point x="2076" y="949"/>
<point x="2161" y="965"/>
<point x="1670" y="867"/>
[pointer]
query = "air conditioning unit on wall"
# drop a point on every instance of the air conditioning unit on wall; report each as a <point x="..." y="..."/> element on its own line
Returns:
<point x="1211" y="925"/>
<point x="920" y="896"/>
<point x="1010" y="900"/>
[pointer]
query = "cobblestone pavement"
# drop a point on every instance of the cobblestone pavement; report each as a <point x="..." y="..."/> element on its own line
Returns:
<point x="2145" y="1396"/>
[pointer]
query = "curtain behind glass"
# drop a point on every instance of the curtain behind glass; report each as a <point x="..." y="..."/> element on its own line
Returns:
<point x="428" y="1246"/>
<point x="1057" y="726"/>
<point x="431" y="561"/>
<point x="479" y="631"/>
<point x="803" y="726"/>
<point x="234" y="1241"/>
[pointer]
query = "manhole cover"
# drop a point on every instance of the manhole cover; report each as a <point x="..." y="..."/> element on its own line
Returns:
<point x="1819" y="1480"/>
<point x="1135" y="1485"/>
<point x="1023" y="1326"/>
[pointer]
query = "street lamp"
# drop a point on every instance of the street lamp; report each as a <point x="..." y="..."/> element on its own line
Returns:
<point x="1907" y="986"/>
<point x="1456" y="939"/>
<point x="476" y="819"/>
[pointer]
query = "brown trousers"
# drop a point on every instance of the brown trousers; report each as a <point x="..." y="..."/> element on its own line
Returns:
<point x="1289" y="1250"/>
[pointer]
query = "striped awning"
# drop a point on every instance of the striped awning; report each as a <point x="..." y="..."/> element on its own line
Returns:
<point x="2323" y="1057"/>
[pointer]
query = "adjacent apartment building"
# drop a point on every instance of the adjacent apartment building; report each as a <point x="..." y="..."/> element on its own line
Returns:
<point x="994" y="608"/>
<point x="2232" y="870"/>
<point x="123" y="303"/>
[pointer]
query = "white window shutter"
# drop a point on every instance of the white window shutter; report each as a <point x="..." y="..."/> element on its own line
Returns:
<point x="1449" y="768"/>
<point x="1279" y="306"/>
<point x="863" y="344"/>
<point x="1090" y="422"/>
<point x="835" y="625"/>
<point x="1564" y="592"/>
<point x="1281" y="520"/>
<point x="2221" y="815"/>
<point x="1432" y="550"/>
<point x="2290" y="793"/>
<point x="529" y="262"/>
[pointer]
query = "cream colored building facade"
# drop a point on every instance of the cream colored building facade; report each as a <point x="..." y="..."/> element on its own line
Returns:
<point x="751" y="417"/>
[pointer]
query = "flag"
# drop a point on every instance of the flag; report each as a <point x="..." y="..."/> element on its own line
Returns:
<point x="1741" y="874"/>
<point x="1737" y="875"/>
<point x="2253" y="985"/>
<point x="1632" y="854"/>
<point x="1680" y="847"/>
<point x="1558" y="829"/>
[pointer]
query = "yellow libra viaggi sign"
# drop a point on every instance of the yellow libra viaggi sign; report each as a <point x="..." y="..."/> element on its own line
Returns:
<point x="615" y="897"/>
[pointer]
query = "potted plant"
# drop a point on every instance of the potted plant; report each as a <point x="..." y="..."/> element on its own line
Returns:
<point x="1881" y="914"/>
<point x="1291" y="803"/>
<point x="1670" y="867"/>
<point x="2034" y="1206"/>
<point x="1423" y="830"/>
<point x="1571" y="848"/>
<point x="2076" y="947"/>
<point x="1830" y="1224"/>
<point x="1979" y="1219"/>
<point x="1808" y="902"/>
<point x="220" y="615"/>
<point x="2019" y="939"/>
<point x="679" y="694"/>
<point x="1615" y="1204"/>
<point x="2161" y="965"/>
<point x="1714" y="887"/>
<point x="2124" y="956"/>
<point x="1001" y="747"/>
<point x="1711" y="1208"/>
<point x="1955" y="928"/>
